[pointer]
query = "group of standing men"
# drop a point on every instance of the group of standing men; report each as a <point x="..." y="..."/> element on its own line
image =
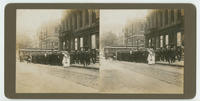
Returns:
<point x="169" y="54"/>
<point x="84" y="57"/>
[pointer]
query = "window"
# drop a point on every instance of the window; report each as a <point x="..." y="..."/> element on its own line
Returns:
<point x="157" y="42"/>
<point x="161" y="41"/>
<point x="76" y="44"/>
<point x="166" y="40"/>
<point x="152" y="42"/>
<point x="63" y="45"/>
<point x="179" y="39"/>
<point x="149" y="42"/>
<point x="72" y="44"/>
<point x="81" y="42"/>
<point x="93" y="40"/>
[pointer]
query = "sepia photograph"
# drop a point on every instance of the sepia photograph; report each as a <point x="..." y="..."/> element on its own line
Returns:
<point x="115" y="51"/>
<point x="57" y="50"/>
<point x="142" y="51"/>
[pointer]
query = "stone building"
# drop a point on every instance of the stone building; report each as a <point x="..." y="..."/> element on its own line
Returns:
<point x="134" y="33"/>
<point x="164" y="28"/>
<point x="79" y="29"/>
<point x="48" y="37"/>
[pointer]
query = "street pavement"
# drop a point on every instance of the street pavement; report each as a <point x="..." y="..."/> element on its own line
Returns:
<point x="129" y="77"/>
<point x="38" y="78"/>
<point x="113" y="77"/>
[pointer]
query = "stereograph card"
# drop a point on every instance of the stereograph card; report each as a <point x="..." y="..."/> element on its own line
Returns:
<point x="100" y="51"/>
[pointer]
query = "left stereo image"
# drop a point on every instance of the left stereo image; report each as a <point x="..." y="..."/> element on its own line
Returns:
<point x="50" y="40"/>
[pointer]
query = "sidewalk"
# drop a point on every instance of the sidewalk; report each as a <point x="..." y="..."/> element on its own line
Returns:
<point x="176" y="63"/>
<point x="91" y="66"/>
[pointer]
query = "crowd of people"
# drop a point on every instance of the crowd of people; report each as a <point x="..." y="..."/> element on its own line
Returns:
<point x="84" y="57"/>
<point x="43" y="58"/>
<point x="169" y="55"/>
<point x="150" y="55"/>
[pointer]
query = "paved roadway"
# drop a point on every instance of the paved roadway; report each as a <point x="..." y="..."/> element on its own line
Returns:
<point x="127" y="77"/>
<point x="113" y="77"/>
<point x="37" y="78"/>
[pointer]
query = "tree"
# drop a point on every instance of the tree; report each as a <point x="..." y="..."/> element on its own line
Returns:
<point x="23" y="41"/>
<point x="110" y="39"/>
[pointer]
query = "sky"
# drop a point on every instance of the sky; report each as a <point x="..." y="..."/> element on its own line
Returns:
<point x="29" y="21"/>
<point x="113" y="20"/>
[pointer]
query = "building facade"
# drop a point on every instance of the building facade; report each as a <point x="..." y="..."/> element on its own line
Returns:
<point x="164" y="28"/>
<point x="48" y="37"/>
<point x="134" y="33"/>
<point x="79" y="29"/>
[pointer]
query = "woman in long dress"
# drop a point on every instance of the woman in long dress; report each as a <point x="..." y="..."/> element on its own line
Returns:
<point x="66" y="59"/>
<point x="151" y="56"/>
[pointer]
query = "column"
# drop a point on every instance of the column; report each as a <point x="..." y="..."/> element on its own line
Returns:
<point x="97" y="13"/>
<point x="90" y="16"/>
<point x="163" y="17"/>
<point x="89" y="41"/>
<point x="175" y="15"/>
<point x="81" y="23"/>
<point x="83" y="18"/>
<point x="69" y="22"/>
<point x="152" y="19"/>
<point x="97" y="40"/>
<point x="155" y="19"/>
<point x="166" y="17"/>
<point x="158" y="19"/>
<point x="73" y="22"/>
<point x="78" y="20"/>
<point x="86" y="17"/>
<point x="169" y="16"/>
